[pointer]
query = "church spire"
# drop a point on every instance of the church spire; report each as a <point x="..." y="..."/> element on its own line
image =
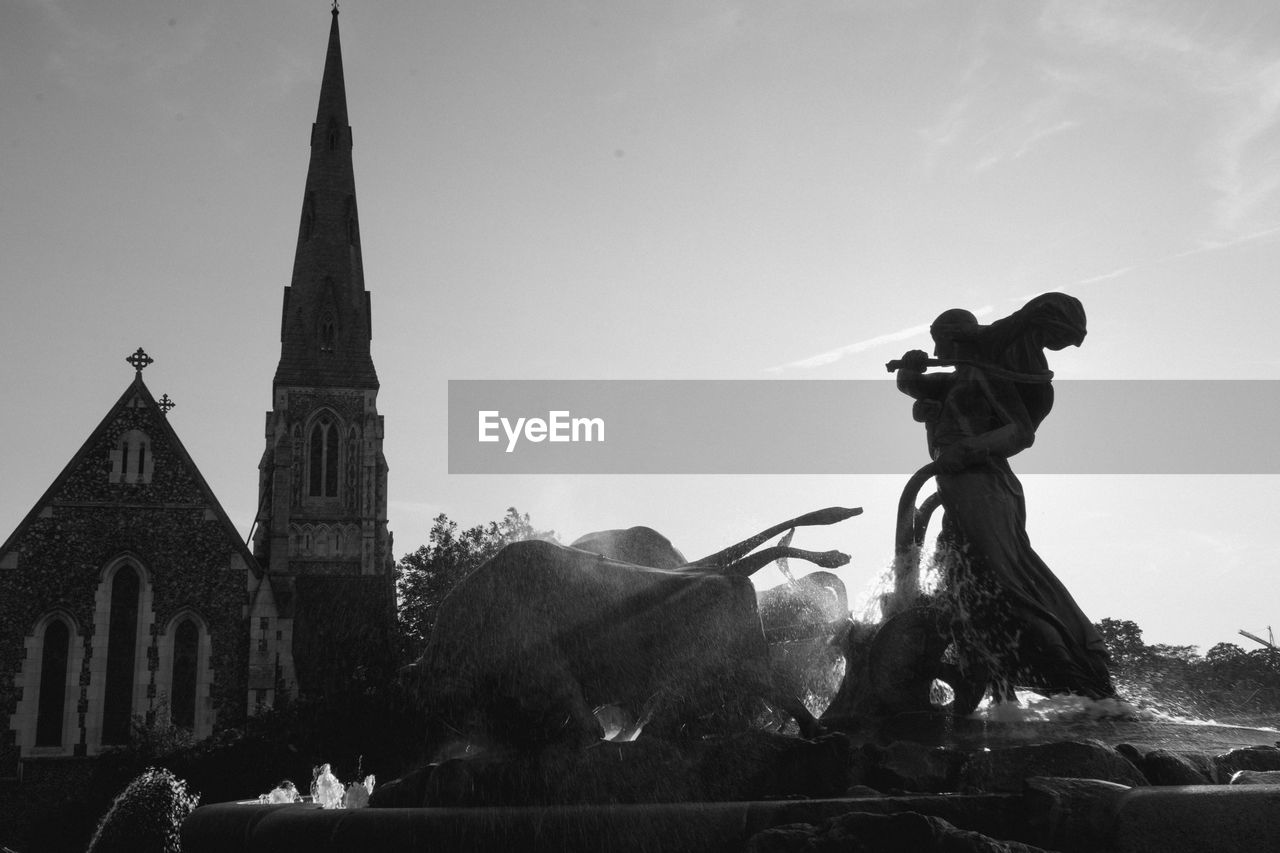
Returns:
<point x="326" y="325"/>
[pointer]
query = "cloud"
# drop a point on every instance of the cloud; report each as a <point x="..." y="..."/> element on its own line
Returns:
<point x="1207" y="76"/>
<point x="1242" y="169"/>
<point x="1001" y="106"/>
<point x="830" y="356"/>
<point x="1106" y="276"/>
<point x="1020" y="137"/>
<point x="1205" y="248"/>
<point x="1217" y="73"/>
<point x="956" y="118"/>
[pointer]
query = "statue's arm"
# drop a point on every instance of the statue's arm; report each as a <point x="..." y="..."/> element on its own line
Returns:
<point x="913" y="382"/>
<point x="1015" y="434"/>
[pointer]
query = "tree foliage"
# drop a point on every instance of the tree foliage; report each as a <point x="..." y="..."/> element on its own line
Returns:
<point x="425" y="577"/>
<point x="1124" y="640"/>
<point x="1226" y="683"/>
<point x="147" y="816"/>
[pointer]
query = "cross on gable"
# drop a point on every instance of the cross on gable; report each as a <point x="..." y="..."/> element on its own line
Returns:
<point x="166" y="404"/>
<point x="139" y="360"/>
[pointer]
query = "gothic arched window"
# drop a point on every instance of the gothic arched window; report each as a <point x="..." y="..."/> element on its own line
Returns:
<point x="122" y="646"/>
<point x="186" y="658"/>
<point x="53" y="684"/>
<point x="323" y="459"/>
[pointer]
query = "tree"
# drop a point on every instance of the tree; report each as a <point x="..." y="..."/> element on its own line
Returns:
<point x="1124" y="640"/>
<point x="426" y="576"/>
<point x="1225" y="655"/>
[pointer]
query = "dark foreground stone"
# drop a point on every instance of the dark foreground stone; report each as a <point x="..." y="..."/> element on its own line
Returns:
<point x="1080" y="796"/>
<point x="1164" y="767"/>
<point x="1248" y="758"/>
<point x="1007" y="769"/>
<point x="906" y="832"/>
<point x="1090" y="818"/>
<point x="746" y="766"/>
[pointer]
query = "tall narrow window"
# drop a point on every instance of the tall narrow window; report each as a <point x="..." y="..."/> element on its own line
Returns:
<point x="122" y="645"/>
<point x="328" y="335"/>
<point x="323" y="473"/>
<point x="182" y="697"/>
<point x="132" y="460"/>
<point x="308" y="216"/>
<point x="53" y="684"/>
<point x="351" y="220"/>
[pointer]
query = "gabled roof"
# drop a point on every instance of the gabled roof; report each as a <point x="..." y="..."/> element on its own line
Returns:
<point x="137" y="390"/>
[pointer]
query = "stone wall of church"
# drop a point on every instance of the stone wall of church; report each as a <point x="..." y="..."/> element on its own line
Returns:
<point x="60" y="565"/>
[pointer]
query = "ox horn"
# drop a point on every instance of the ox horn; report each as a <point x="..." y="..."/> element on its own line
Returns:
<point x="752" y="563"/>
<point x="723" y="559"/>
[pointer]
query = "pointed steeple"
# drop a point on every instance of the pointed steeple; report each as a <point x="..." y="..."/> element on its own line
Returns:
<point x="326" y="325"/>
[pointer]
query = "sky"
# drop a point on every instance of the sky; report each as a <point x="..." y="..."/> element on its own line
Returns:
<point x="659" y="190"/>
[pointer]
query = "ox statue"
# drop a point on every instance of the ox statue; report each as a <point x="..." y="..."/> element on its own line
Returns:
<point x="528" y="645"/>
<point x="809" y="606"/>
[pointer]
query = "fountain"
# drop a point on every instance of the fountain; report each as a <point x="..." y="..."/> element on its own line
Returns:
<point x="1060" y="773"/>
<point x="909" y="751"/>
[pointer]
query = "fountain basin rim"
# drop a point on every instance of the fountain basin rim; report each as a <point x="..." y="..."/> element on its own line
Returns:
<point x="1214" y="817"/>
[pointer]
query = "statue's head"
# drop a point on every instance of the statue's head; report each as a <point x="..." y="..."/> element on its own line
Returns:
<point x="952" y="331"/>
<point x="1054" y="321"/>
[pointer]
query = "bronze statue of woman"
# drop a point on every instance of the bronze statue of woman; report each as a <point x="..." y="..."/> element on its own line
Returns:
<point x="1010" y="615"/>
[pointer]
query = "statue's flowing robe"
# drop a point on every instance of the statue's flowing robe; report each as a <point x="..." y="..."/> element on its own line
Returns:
<point x="1013" y="614"/>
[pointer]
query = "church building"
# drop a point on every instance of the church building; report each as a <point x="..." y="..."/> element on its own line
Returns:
<point x="127" y="595"/>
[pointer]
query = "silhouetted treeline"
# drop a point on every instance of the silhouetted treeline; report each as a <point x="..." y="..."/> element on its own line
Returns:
<point x="1227" y="683"/>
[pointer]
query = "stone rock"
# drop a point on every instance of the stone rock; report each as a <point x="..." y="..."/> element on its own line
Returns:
<point x="409" y="791"/>
<point x="1162" y="767"/>
<point x="1156" y="760"/>
<point x="1075" y="810"/>
<point x="905" y="832"/>
<point x="1204" y="763"/>
<point x="785" y="766"/>
<point x="1255" y="777"/>
<point x="908" y="766"/>
<point x="1135" y="752"/>
<point x="1006" y="769"/>
<point x="1247" y="758"/>
<point x="862" y="791"/>
<point x="746" y="766"/>
<point x="789" y="838"/>
<point x="1240" y="819"/>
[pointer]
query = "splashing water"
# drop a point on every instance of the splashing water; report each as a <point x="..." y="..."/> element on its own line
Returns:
<point x="1065" y="709"/>
<point x="1060" y="708"/>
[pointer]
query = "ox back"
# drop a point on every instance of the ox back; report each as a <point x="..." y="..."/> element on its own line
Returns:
<point x="640" y="546"/>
